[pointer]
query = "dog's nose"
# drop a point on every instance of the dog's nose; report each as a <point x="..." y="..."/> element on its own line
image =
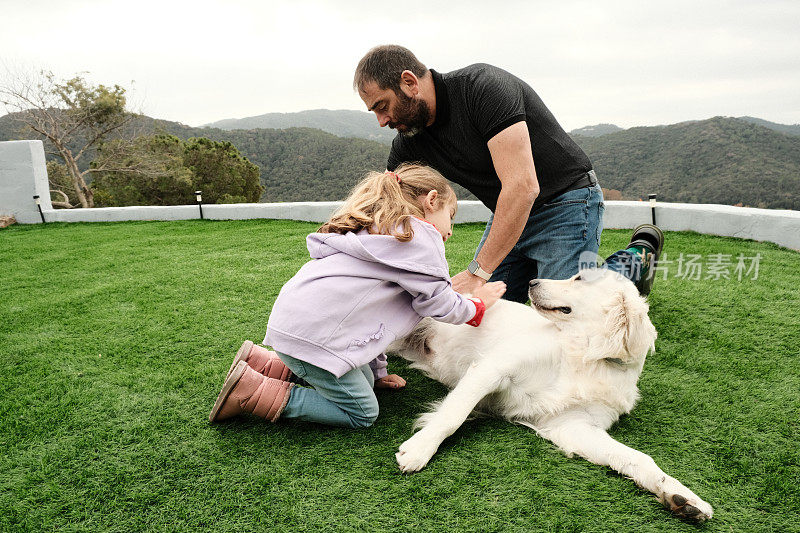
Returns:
<point x="533" y="283"/>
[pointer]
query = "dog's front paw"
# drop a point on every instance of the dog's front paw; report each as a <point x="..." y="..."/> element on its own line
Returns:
<point x="415" y="453"/>
<point x="684" y="503"/>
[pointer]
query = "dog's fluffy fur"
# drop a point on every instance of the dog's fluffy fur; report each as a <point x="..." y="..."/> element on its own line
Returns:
<point x="566" y="366"/>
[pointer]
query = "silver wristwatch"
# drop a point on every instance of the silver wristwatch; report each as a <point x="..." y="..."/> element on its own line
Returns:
<point x="475" y="268"/>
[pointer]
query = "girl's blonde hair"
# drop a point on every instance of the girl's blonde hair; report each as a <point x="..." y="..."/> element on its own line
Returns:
<point x="384" y="203"/>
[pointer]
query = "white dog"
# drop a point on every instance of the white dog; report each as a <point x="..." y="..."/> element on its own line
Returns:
<point x="567" y="367"/>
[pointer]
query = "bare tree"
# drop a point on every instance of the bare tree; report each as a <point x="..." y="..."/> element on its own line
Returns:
<point x="73" y="115"/>
<point x="61" y="185"/>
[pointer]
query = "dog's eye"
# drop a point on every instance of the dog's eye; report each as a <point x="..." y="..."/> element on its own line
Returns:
<point x="578" y="278"/>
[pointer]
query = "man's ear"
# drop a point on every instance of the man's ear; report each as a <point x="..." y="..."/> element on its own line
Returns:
<point x="409" y="83"/>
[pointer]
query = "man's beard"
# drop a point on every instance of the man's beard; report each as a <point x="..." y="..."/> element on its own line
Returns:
<point x="411" y="113"/>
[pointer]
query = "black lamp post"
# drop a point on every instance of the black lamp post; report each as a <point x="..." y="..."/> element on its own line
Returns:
<point x="653" y="207"/>
<point x="199" y="197"/>
<point x="39" y="205"/>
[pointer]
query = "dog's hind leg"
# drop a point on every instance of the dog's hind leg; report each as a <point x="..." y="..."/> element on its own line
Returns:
<point x="478" y="381"/>
<point x="416" y="345"/>
<point x="575" y="432"/>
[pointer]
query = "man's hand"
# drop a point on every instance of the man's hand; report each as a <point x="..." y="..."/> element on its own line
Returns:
<point x="467" y="283"/>
<point x="392" y="381"/>
<point x="490" y="293"/>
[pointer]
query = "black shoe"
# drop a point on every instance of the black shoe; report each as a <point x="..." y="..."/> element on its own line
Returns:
<point x="652" y="238"/>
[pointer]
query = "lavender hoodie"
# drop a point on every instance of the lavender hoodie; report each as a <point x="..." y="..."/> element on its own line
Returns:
<point x="359" y="293"/>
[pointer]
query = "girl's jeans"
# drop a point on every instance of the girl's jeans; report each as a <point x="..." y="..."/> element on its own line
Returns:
<point x="348" y="401"/>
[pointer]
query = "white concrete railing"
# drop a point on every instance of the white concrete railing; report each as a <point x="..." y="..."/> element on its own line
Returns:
<point x="23" y="174"/>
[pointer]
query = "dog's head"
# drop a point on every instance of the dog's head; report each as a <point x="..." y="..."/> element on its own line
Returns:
<point x="601" y="305"/>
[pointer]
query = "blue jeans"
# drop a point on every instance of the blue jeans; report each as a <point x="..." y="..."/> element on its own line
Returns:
<point x="348" y="401"/>
<point x="625" y="263"/>
<point x="556" y="242"/>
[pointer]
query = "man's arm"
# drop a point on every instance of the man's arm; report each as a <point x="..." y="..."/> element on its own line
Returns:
<point x="513" y="161"/>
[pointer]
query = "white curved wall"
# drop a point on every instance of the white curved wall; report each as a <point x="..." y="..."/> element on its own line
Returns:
<point x="781" y="226"/>
<point x="23" y="173"/>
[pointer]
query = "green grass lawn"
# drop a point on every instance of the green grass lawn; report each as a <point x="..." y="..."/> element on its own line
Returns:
<point x="115" y="339"/>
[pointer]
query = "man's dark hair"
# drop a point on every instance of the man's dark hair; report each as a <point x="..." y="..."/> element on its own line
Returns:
<point x="384" y="64"/>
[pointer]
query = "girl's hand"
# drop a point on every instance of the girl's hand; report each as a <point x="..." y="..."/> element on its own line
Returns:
<point x="490" y="293"/>
<point x="392" y="381"/>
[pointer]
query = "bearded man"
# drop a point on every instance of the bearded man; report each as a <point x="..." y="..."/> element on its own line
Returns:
<point x="489" y="131"/>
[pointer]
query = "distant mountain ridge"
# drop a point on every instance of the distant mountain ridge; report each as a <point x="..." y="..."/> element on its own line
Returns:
<point x="789" y="129"/>
<point x="596" y="130"/>
<point x="341" y="122"/>
<point x="352" y="123"/>
<point x="604" y="129"/>
<point x="362" y="124"/>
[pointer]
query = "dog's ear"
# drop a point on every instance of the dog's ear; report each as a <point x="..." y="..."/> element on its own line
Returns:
<point x="641" y="334"/>
<point x="627" y="333"/>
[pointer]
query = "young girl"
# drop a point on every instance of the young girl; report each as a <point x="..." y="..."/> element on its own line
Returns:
<point x="378" y="267"/>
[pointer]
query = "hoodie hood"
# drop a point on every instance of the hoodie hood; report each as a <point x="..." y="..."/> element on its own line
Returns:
<point x="385" y="249"/>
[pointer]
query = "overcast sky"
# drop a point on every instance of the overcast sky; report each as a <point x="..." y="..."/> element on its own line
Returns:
<point x="631" y="63"/>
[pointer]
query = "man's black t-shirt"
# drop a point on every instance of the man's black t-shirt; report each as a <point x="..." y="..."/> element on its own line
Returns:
<point x="475" y="103"/>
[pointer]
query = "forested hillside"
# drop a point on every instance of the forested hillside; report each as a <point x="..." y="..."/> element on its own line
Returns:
<point x="719" y="160"/>
<point x="297" y="164"/>
<point x="304" y="164"/>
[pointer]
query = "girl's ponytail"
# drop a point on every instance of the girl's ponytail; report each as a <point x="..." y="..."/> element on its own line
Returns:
<point x="384" y="202"/>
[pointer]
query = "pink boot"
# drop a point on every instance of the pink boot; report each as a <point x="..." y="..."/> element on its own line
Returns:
<point x="247" y="391"/>
<point x="263" y="361"/>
